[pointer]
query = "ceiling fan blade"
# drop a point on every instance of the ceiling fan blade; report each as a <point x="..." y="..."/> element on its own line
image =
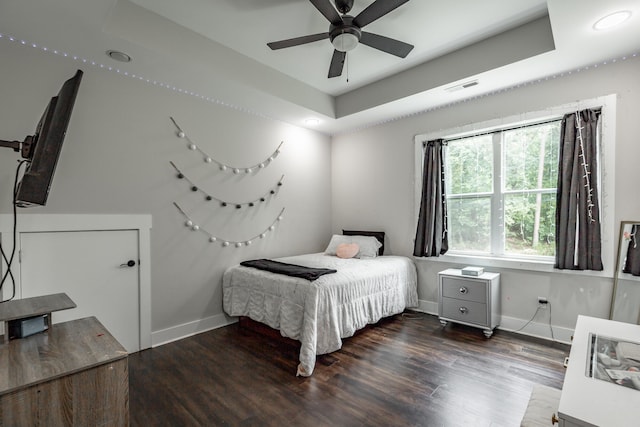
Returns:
<point x="297" y="41"/>
<point x="337" y="62"/>
<point x="326" y="8"/>
<point x="376" y="10"/>
<point x="385" y="44"/>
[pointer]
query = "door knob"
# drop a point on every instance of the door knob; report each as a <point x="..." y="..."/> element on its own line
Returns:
<point x="130" y="263"/>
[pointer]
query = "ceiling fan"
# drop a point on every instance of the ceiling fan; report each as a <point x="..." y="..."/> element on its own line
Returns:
<point x="345" y="32"/>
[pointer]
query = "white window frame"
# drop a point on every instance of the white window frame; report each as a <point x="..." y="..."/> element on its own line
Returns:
<point x="498" y="191"/>
<point x="606" y="165"/>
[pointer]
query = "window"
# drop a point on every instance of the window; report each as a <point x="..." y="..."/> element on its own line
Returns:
<point x="501" y="191"/>
<point x="480" y="211"/>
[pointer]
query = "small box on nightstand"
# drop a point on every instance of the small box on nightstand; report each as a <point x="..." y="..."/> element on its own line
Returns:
<point x="472" y="271"/>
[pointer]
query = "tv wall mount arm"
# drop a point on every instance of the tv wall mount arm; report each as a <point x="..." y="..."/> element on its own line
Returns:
<point x="23" y="147"/>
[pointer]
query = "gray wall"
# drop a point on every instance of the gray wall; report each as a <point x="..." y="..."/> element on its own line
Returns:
<point x="373" y="187"/>
<point x="115" y="160"/>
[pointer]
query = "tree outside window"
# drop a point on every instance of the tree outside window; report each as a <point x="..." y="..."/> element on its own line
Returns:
<point x="501" y="191"/>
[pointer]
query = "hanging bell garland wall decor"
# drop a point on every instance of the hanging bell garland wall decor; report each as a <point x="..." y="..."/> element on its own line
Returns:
<point x="224" y="203"/>
<point x="213" y="238"/>
<point x="222" y="166"/>
<point x="229" y="242"/>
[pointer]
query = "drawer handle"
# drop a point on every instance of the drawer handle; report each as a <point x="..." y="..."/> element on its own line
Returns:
<point x="463" y="290"/>
<point x="463" y="310"/>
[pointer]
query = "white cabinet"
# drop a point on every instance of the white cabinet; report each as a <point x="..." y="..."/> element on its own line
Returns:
<point x="590" y="401"/>
<point x="469" y="300"/>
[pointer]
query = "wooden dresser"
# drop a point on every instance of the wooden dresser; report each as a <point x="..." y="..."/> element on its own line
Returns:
<point x="74" y="374"/>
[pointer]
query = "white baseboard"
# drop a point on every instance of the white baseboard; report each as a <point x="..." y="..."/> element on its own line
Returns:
<point x="429" y="307"/>
<point x="536" y="329"/>
<point x="513" y="324"/>
<point x="185" y="330"/>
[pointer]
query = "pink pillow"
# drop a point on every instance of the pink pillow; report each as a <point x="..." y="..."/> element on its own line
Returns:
<point x="347" y="250"/>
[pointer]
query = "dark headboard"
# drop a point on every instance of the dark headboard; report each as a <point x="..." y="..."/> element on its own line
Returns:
<point x="377" y="234"/>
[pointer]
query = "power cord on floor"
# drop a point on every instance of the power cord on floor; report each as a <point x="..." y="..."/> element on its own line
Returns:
<point x="534" y="316"/>
<point x="530" y="320"/>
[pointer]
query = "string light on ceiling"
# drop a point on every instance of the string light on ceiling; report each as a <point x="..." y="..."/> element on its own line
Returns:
<point x="213" y="100"/>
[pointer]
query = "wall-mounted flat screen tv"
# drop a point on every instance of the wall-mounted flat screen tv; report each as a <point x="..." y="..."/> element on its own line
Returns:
<point x="42" y="149"/>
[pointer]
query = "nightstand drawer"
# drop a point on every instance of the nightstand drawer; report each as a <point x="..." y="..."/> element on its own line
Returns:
<point x="464" y="311"/>
<point x="464" y="289"/>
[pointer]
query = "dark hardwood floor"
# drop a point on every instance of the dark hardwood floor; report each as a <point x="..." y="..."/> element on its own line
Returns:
<point x="406" y="370"/>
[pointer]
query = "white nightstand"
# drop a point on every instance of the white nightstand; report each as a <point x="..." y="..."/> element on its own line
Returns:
<point x="469" y="300"/>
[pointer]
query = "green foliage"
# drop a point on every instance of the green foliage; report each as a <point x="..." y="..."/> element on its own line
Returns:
<point x="469" y="165"/>
<point x="529" y="178"/>
<point x="519" y="224"/>
<point x="470" y="223"/>
<point x="522" y="151"/>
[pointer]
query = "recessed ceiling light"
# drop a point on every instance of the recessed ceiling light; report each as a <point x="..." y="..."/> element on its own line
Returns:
<point x="312" y="122"/>
<point x="612" y="20"/>
<point x="118" y="56"/>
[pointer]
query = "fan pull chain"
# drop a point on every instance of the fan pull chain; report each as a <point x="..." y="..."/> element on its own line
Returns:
<point x="346" y="59"/>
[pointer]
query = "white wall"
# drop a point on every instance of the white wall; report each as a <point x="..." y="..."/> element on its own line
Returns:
<point x="120" y="141"/>
<point x="373" y="186"/>
<point x="115" y="159"/>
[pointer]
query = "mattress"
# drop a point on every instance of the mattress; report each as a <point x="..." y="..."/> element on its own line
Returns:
<point x="320" y="313"/>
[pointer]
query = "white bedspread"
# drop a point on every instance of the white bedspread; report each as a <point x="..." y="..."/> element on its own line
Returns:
<point x="320" y="313"/>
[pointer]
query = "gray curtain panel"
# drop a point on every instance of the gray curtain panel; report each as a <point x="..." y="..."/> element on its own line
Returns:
<point x="632" y="261"/>
<point x="431" y="233"/>
<point x="578" y="244"/>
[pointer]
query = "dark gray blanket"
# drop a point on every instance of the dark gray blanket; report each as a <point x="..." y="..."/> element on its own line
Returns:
<point x="293" y="270"/>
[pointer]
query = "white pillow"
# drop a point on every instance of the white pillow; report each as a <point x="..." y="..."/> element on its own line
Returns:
<point x="368" y="245"/>
<point x="336" y="240"/>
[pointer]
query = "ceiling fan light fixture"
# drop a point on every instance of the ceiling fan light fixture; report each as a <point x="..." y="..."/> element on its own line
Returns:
<point x="345" y="31"/>
<point x="345" y="37"/>
<point x="345" y="42"/>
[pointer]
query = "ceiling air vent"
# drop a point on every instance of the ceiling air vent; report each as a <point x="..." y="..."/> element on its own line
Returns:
<point x="461" y="86"/>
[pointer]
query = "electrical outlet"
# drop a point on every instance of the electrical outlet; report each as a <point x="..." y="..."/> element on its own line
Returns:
<point x="542" y="302"/>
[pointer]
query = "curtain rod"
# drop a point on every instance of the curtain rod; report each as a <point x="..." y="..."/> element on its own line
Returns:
<point x="597" y="110"/>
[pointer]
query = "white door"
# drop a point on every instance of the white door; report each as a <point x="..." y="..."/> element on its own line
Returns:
<point x="98" y="270"/>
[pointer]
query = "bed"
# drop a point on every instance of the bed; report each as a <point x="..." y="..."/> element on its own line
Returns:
<point x="320" y="312"/>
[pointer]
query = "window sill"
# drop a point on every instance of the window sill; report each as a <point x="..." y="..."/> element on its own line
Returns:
<point x="511" y="263"/>
<point x="628" y="277"/>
